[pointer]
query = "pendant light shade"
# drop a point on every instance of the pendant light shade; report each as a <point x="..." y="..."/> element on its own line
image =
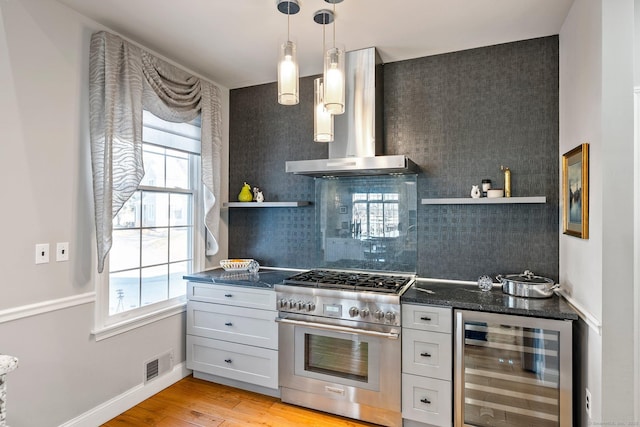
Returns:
<point x="288" y="74"/>
<point x="288" y="61"/>
<point x="334" y="79"/>
<point x="322" y="119"/>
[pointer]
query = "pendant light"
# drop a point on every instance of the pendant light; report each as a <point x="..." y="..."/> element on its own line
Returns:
<point x="322" y="119"/>
<point x="334" y="74"/>
<point x="287" y="62"/>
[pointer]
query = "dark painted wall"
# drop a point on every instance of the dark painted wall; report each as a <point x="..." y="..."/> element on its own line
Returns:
<point x="459" y="116"/>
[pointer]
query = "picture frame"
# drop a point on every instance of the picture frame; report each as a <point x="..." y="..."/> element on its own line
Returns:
<point x="575" y="192"/>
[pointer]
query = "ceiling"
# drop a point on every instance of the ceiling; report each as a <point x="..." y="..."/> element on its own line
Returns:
<point x="235" y="42"/>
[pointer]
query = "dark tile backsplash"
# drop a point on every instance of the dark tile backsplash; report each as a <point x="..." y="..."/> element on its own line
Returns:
<point x="459" y="116"/>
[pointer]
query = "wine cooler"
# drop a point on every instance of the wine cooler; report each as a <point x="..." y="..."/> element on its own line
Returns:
<point x="512" y="370"/>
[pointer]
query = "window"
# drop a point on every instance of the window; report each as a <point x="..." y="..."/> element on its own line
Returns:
<point x="155" y="232"/>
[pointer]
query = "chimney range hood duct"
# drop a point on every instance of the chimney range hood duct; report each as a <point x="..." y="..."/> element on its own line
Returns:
<point x="357" y="146"/>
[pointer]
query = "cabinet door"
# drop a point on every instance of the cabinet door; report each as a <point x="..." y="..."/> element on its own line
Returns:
<point x="236" y="324"/>
<point x="427" y="318"/>
<point x="232" y="295"/>
<point x="427" y="353"/>
<point x="426" y="400"/>
<point x="239" y="362"/>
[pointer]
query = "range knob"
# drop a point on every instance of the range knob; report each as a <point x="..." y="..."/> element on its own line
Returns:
<point x="364" y="312"/>
<point x="292" y="304"/>
<point x="301" y="305"/>
<point x="390" y="316"/>
<point x="379" y="314"/>
<point x="353" y="311"/>
<point x="283" y="303"/>
<point x="310" y="306"/>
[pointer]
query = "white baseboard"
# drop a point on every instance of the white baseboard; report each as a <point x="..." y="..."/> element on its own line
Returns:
<point x="130" y="398"/>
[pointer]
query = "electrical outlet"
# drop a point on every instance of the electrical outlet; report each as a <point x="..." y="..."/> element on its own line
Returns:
<point x="62" y="251"/>
<point x="587" y="402"/>
<point x="42" y="253"/>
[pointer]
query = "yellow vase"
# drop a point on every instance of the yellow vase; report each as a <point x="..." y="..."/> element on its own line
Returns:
<point x="245" y="194"/>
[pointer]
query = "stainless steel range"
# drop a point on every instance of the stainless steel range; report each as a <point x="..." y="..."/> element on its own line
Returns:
<point x="340" y="343"/>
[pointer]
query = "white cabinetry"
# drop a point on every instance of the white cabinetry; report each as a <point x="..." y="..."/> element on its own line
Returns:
<point x="426" y="366"/>
<point x="232" y="336"/>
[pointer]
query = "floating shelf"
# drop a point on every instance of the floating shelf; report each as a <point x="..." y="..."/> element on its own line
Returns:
<point x="484" y="200"/>
<point x="265" y="204"/>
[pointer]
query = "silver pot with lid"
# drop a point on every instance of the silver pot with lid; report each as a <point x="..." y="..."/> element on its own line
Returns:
<point x="527" y="285"/>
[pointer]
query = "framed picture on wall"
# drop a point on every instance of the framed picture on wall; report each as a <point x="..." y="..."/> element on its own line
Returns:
<point x="575" y="192"/>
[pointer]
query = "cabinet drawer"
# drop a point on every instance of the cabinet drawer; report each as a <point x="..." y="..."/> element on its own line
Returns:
<point x="427" y="318"/>
<point x="427" y="400"/>
<point x="426" y="353"/>
<point x="236" y="324"/>
<point x="232" y="295"/>
<point x="239" y="362"/>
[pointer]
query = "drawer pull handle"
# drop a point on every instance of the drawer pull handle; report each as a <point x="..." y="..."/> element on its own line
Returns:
<point x="426" y="319"/>
<point x="425" y="354"/>
<point x="228" y="324"/>
<point x="425" y="401"/>
<point x="227" y="360"/>
<point x="228" y="295"/>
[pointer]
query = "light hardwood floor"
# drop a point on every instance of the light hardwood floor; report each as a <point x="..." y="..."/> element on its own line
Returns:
<point x="192" y="402"/>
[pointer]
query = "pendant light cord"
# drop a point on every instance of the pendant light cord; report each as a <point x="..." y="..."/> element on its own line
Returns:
<point x="334" y="25"/>
<point x="323" y="41"/>
<point x="288" y="18"/>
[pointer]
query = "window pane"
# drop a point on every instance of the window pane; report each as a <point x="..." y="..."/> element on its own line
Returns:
<point x="125" y="252"/>
<point x="180" y="244"/>
<point x="156" y="225"/>
<point x="153" y="160"/>
<point x="155" y="246"/>
<point x="155" y="209"/>
<point x="177" y="285"/>
<point x="177" y="170"/>
<point x="154" y="284"/>
<point x="124" y="291"/>
<point x="129" y="215"/>
<point x="180" y="209"/>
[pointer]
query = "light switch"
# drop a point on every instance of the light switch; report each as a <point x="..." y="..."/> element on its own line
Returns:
<point x="62" y="251"/>
<point x="42" y="253"/>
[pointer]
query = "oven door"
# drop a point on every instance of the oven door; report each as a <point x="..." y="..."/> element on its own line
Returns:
<point x="341" y="368"/>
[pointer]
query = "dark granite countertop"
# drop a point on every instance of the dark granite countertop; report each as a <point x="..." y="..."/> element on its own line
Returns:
<point x="469" y="297"/>
<point x="265" y="278"/>
<point x="455" y="295"/>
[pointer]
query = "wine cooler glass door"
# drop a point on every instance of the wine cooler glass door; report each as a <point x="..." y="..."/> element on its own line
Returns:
<point x="512" y="370"/>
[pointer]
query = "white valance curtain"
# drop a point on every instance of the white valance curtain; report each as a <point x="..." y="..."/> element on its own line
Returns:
<point x="124" y="79"/>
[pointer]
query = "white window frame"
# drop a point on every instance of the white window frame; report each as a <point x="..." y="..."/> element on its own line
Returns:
<point x="106" y="325"/>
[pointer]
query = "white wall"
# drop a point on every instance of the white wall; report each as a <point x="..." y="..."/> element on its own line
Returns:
<point x="46" y="197"/>
<point x="596" y="106"/>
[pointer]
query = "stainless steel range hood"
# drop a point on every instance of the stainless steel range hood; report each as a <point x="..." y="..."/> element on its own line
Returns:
<point x="357" y="146"/>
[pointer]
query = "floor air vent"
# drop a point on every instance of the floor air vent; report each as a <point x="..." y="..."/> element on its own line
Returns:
<point x="158" y="366"/>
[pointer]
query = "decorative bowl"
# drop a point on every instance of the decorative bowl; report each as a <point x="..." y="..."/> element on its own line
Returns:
<point x="235" y="264"/>
<point x="495" y="192"/>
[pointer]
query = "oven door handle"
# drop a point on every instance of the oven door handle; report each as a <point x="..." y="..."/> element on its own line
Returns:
<point x="390" y="335"/>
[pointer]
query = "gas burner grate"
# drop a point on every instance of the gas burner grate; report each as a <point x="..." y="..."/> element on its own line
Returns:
<point x="349" y="280"/>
